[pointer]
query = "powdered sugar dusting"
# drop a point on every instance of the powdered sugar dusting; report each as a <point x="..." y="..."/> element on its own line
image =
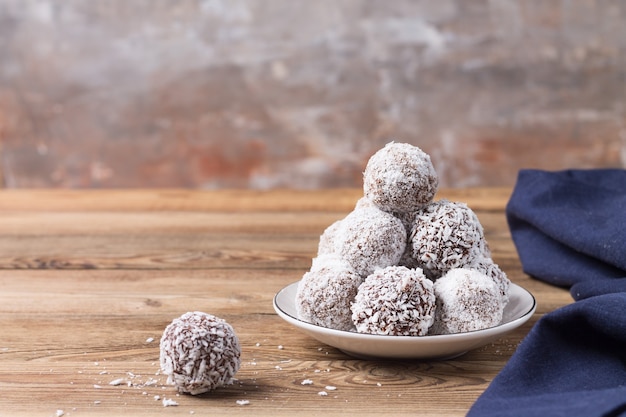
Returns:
<point x="324" y="293"/>
<point x="326" y="244"/>
<point x="467" y="300"/>
<point x="400" y="178"/>
<point x="492" y="270"/>
<point x="370" y="238"/>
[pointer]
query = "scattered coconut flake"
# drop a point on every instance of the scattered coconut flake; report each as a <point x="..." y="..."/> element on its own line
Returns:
<point x="118" y="381"/>
<point x="157" y="397"/>
<point x="168" y="402"/>
<point x="307" y="382"/>
<point x="150" y="382"/>
<point x="242" y="402"/>
<point x="96" y="386"/>
<point x="322" y="393"/>
<point x="280" y="347"/>
<point x="150" y="340"/>
<point x="97" y="402"/>
<point x="60" y="413"/>
<point x="330" y="388"/>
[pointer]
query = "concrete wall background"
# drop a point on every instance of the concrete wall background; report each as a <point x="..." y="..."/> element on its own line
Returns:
<point x="282" y="93"/>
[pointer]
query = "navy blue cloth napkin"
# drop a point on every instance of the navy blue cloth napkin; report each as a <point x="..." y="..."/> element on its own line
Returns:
<point x="569" y="228"/>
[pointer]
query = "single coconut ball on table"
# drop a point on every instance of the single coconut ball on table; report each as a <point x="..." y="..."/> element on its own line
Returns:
<point x="467" y="300"/>
<point x="369" y="238"/>
<point x="395" y="301"/>
<point x="325" y="292"/>
<point x="400" y="178"/>
<point x="446" y="235"/>
<point x="199" y="352"/>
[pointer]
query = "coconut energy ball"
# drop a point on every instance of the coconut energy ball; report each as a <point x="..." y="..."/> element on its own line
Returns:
<point x="467" y="300"/>
<point x="326" y="244"/>
<point x="400" y="178"/>
<point x="394" y="301"/>
<point x="446" y="235"/>
<point x="364" y="202"/>
<point x="492" y="270"/>
<point x="324" y="293"/>
<point x="199" y="352"/>
<point x="370" y="238"/>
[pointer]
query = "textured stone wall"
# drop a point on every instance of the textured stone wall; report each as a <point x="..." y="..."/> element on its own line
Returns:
<point x="283" y="93"/>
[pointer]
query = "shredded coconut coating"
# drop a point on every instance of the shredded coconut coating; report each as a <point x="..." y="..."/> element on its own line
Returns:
<point x="199" y="352"/>
<point x="446" y="235"/>
<point x="400" y="178"/>
<point x="467" y="300"/>
<point x="370" y="238"/>
<point x="325" y="292"/>
<point x="326" y="244"/>
<point x="488" y="267"/>
<point x="394" y="301"/>
<point x="395" y="233"/>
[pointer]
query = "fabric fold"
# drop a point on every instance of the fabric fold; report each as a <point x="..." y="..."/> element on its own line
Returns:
<point x="569" y="229"/>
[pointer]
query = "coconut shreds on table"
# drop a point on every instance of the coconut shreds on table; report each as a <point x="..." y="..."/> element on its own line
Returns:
<point x="118" y="381"/>
<point x="168" y="402"/>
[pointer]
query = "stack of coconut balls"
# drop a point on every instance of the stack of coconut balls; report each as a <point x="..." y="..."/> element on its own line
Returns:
<point x="401" y="263"/>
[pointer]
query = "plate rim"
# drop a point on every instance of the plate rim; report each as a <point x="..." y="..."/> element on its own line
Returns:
<point x="488" y="332"/>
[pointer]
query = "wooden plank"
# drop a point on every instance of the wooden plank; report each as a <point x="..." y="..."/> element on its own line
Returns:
<point x="218" y="200"/>
<point x="175" y="239"/>
<point x="84" y="287"/>
<point x="82" y="329"/>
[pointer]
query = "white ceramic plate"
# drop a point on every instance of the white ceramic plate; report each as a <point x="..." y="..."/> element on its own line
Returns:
<point x="520" y="308"/>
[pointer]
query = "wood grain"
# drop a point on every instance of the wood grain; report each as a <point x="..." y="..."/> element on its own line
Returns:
<point x="221" y="200"/>
<point x="86" y="291"/>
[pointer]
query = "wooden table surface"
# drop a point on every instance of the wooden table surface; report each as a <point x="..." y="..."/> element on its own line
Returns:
<point x="89" y="280"/>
